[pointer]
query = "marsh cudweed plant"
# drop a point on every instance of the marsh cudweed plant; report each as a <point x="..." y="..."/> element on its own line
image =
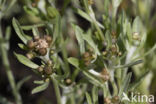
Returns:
<point x="91" y="65"/>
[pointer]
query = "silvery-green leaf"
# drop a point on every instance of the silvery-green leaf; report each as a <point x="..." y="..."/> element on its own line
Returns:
<point x="94" y="94"/>
<point x="79" y="37"/>
<point x="22" y="46"/>
<point x="89" y="40"/>
<point x="40" y="88"/>
<point x="19" y="31"/>
<point x="138" y="81"/>
<point x="73" y="61"/>
<point x="89" y="100"/>
<point x="35" y="31"/>
<point x="39" y="82"/>
<point x="27" y="62"/>
<point x="125" y="84"/>
<point x="52" y="12"/>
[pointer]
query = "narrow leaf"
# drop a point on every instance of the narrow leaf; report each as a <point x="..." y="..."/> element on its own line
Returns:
<point x="129" y="65"/>
<point x="125" y="84"/>
<point x="40" y="88"/>
<point x="138" y="81"/>
<point x="74" y="61"/>
<point x="79" y="37"/>
<point x="21" y="82"/>
<point x="91" y="43"/>
<point x="39" y="82"/>
<point x="35" y="31"/>
<point x="88" y="98"/>
<point x="19" y="31"/>
<point x="24" y="60"/>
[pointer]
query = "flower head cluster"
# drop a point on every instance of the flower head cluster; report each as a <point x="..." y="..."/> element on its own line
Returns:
<point x="39" y="45"/>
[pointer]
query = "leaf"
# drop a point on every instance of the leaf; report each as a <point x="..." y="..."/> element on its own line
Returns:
<point x="24" y="60"/>
<point x="39" y="82"/>
<point x="87" y="17"/>
<point x="35" y="31"/>
<point x="136" y="25"/>
<point x="31" y="11"/>
<point x="21" y="82"/>
<point x="57" y="28"/>
<point x="129" y="64"/>
<point x="8" y="33"/>
<point x="108" y="38"/>
<point x="29" y="27"/>
<point x="22" y="46"/>
<point x="88" y="98"/>
<point x="89" y="40"/>
<point x="73" y="61"/>
<point x="40" y="88"/>
<point x="95" y="94"/>
<point x="52" y="12"/>
<point x="19" y="31"/>
<point x="79" y="37"/>
<point x="125" y="84"/>
<point x="138" y="81"/>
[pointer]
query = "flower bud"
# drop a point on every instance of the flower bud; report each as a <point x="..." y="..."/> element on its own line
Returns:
<point x="42" y="51"/>
<point x="48" y="38"/>
<point x="33" y="4"/>
<point x="48" y="70"/>
<point x="30" y="44"/>
<point x="105" y="75"/>
<point x="136" y="36"/>
<point x="40" y="69"/>
<point x="30" y="55"/>
<point x="115" y="99"/>
<point x="36" y="38"/>
<point x="90" y="2"/>
<point x="49" y="62"/>
<point x="113" y="48"/>
<point x="104" y="53"/>
<point x="47" y="80"/>
<point x="68" y="81"/>
<point x="86" y="54"/>
<point x="107" y="100"/>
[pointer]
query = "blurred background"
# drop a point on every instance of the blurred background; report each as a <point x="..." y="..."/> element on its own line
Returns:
<point x="146" y="9"/>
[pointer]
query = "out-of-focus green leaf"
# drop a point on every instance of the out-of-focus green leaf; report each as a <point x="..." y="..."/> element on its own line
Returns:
<point x="21" y="82"/>
<point x="73" y="61"/>
<point x="24" y="60"/>
<point x="52" y="12"/>
<point x="35" y="31"/>
<point x="94" y="94"/>
<point x="90" y="41"/>
<point x="8" y="33"/>
<point x="29" y="27"/>
<point x="31" y="11"/>
<point x="108" y="39"/>
<point x="125" y="84"/>
<point x="19" y="31"/>
<point x="138" y="81"/>
<point x="39" y="82"/>
<point x="87" y="17"/>
<point x="129" y="65"/>
<point x="79" y="37"/>
<point x="40" y="88"/>
<point x="22" y="46"/>
<point x="89" y="100"/>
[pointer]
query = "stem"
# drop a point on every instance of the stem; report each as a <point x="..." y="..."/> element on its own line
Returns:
<point x="57" y="90"/>
<point x="8" y="70"/>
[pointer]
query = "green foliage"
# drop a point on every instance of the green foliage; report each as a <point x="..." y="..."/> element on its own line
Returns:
<point x="110" y="50"/>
